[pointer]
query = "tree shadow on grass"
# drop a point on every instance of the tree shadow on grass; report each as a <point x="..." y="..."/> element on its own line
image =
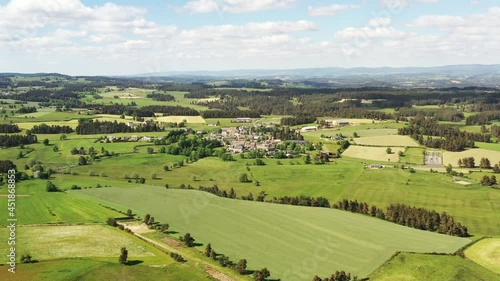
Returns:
<point x="134" y="262"/>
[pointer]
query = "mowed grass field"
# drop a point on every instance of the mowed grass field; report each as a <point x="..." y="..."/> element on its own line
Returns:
<point x="486" y="253"/>
<point x="79" y="241"/>
<point x="393" y="140"/>
<point x="416" y="267"/>
<point x="92" y="270"/>
<point x="262" y="232"/>
<point x="413" y="155"/>
<point x="373" y="153"/>
<point x="478" y="153"/>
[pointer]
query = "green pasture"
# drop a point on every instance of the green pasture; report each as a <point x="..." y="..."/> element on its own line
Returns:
<point x="486" y="253"/>
<point x="416" y="267"/>
<point x="262" y="232"/>
<point x="91" y="270"/>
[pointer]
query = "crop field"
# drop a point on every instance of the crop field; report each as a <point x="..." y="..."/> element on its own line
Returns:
<point x="373" y="153"/>
<point x="91" y="270"/>
<point x="29" y="125"/>
<point x="489" y="146"/>
<point x="241" y="229"/>
<point x="59" y="207"/>
<point x="394" y="140"/>
<point x="415" y="267"/>
<point x="478" y="153"/>
<point x="486" y="253"/>
<point x="53" y="242"/>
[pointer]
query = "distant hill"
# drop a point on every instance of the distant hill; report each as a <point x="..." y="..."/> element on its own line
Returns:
<point x="468" y="70"/>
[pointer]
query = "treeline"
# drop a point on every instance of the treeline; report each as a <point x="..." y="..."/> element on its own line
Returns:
<point x="286" y="200"/>
<point x="482" y="118"/>
<point x="194" y="148"/>
<point x="160" y="97"/>
<point x="414" y="217"/>
<point x="169" y="110"/>
<point x="54" y="129"/>
<point x="299" y="120"/>
<point x="451" y="138"/>
<point x="6" y="165"/>
<point x="495" y="131"/>
<point x="26" y="109"/>
<point x="89" y="127"/>
<point x="438" y="114"/>
<point x="235" y="113"/>
<point x="337" y="276"/>
<point x="17" y="140"/>
<point x="9" y="128"/>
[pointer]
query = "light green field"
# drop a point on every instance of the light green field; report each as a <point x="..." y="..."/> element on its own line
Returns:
<point x="29" y="125"/>
<point x="373" y="153"/>
<point x="489" y="146"/>
<point x="262" y="232"/>
<point x="92" y="270"/>
<point x="416" y="267"/>
<point x="54" y="242"/>
<point x="40" y="206"/>
<point x="413" y="155"/>
<point x="395" y="140"/>
<point x="486" y="253"/>
<point x="478" y="153"/>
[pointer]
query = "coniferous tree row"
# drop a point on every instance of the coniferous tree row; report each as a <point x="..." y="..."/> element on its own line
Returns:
<point x="89" y="127"/>
<point x="53" y="129"/>
<point x="482" y="118"/>
<point x="17" y="140"/>
<point x="235" y="113"/>
<point x="449" y="137"/>
<point x="9" y="128"/>
<point x="414" y="217"/>
<point x="26" y="109"/>
<point x="160" y="97"/>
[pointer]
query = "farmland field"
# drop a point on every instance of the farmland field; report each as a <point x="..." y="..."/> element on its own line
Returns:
<point x="478" y="153"/>
<point x="373" y="153"/>
<point x="178" y="119"/>
<point x="416" y="267"/>
<point x="91" y="270"/>
<point x="387" y="141"/>
<point x="359" y="243"/>
<point x="486" y="253"/>
<point x="413" y="155"/>
<point x="53" y="242"/>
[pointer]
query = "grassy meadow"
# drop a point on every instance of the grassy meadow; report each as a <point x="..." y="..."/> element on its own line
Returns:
<point x="242" y="229"/>
<point x="415" y="267"/>
<point x="486" y="253"/>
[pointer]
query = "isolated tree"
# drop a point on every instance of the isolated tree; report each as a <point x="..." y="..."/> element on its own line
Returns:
<point x="150" y="150"/>
<point x="485" y="181"/>
<point x="208" y="250"/>
<point x="82" y="161"/>
<point x="55" y="148"/>
<point x="129" y="213"/>
<point x="241" y="267"/>
<point x="166" y="168"/>
<point x="123" y="255"/>
<point x="261" y="275"/>
<point x="213" y="254"/>
<point x="449" y="169"/>
<point x="46" y="142"/>
<point x="243" y="177"/>
<point x="51" y="187"/>
<point x="164" y="227"/>
<point x="493" y="180"/>
<point x="26" y="258"/>
<point x="63" y="137"/>
<point x="388" y="150"/>
<point x="151" y="221"/>
<point x="485" y="163"/>
<point x="111" y="222"/>
<point x="146" y="218"/>
<point x="188" y="240"/>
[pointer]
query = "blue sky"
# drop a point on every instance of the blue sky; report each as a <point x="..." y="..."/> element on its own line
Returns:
<point x="97" y="37"/>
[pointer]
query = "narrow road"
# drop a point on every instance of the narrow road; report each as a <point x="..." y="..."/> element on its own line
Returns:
<point x="208" y="268"/>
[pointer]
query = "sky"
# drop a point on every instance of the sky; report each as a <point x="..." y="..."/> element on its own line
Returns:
<point x="94" y="37"/>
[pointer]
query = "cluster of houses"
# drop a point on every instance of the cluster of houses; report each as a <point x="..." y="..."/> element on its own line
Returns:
<point x="133" y="138"/>
<point x="242" y="139"/>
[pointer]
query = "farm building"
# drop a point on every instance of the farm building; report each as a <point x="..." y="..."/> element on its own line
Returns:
<point x="309" y="129"/>
<point x="340" y="122"/>
<point x="132" y="124"/>
<point x="241" y="120"/>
